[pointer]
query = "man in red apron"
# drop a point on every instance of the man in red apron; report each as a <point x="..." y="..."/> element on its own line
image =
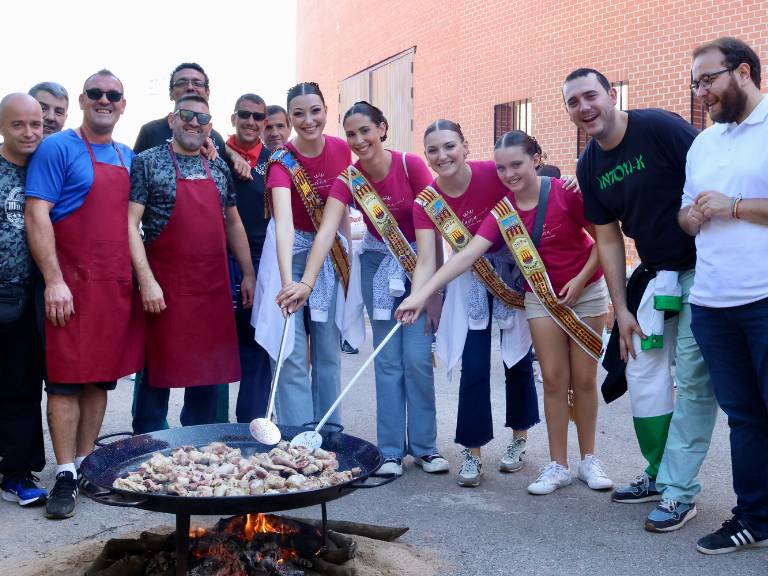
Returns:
<point x="77" y="201"/>
<point x="186" y="206"/>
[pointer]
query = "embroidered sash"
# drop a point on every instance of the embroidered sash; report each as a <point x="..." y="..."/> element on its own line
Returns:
<point x="374" y="207"/>
<point x="528" y="260"/>
<point x="457" y="236"/>
<point x="312" y="203"/>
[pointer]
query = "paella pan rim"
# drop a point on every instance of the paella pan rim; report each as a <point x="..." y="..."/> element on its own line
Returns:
<point x="107" y="463"/>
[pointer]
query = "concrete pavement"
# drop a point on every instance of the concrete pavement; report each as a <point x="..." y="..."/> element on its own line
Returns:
<point x="497" y="528"/>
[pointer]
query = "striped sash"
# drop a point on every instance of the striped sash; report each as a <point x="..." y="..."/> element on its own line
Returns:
<point x="312" y="203"/>
<point x="528" y="260"/>
<point x="369" y="201"/>
<point x="457" y="236"/>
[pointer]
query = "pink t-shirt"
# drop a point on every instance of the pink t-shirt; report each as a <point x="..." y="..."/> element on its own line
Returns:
<point x="484" y="191"/>
<point x="564" y="246"/>
<point x="397" y="190"/>
<point x="321" y="170"/>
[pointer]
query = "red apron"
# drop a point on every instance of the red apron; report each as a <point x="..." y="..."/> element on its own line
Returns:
<point x="193" y="342"/>
<point x="104" y="340"/>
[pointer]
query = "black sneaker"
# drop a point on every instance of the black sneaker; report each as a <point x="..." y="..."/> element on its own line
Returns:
<point x="63" y="497"/>
<point x="732" y="536"/>
<point x="346" y="348"/>
<point x="641" y="489"/>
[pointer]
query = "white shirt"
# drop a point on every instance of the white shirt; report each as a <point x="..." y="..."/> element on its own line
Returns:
<point x="731" y="255"/>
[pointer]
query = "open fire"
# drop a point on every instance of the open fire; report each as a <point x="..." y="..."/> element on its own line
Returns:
<point x="248" y="545"/>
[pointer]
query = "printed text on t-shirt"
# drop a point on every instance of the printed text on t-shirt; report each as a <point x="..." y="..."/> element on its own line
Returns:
<point x="621" y="171"/>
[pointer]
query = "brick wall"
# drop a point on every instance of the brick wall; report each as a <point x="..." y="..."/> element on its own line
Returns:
<point x="473" y="54"/>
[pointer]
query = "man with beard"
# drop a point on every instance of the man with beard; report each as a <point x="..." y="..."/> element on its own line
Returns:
<point x="632" y="172"/>
<point x="181" y="265"/>
<point x="187" y="79"/>
<point x="22" y="450"/>
<point x="725" y="206"/>
<point x="54" y="101"/>
<point x="76" y="208"/>
<point x="248" y="119"/>
<point x="278" y="129"/>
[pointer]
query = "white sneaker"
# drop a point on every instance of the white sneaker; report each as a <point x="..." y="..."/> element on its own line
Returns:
<point x="471" y="470"/>
<point x="592" y="474"/>
<point x="432" y="463"/>
<point x="512" y="461"/>
<point x="552" y="477"/>
<point x="391" y="466"/>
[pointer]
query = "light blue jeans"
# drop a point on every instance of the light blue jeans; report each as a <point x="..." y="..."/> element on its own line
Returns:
<point x="693" y="418"/>
<point x="405" y="386"/>
<point x="298" y="399"/>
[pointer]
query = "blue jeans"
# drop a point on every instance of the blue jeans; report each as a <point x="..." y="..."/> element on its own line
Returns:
<point x="405" y="385"/>
<point x="734" y="342"/>
<point x="200" y="405"/>
<point x="298" y="399"/>
<point x="474" y="422"/>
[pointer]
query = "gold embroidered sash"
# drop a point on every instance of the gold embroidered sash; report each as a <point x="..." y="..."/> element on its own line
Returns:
<point x="457" y="236"/>
<point x="382" y="219"/>
<point x="312" y="203"/>
<point x="528" y="260"/>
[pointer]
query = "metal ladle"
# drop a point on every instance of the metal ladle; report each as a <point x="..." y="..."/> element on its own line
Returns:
<point x="312" y="439"/>
<point x="263" y="429"/>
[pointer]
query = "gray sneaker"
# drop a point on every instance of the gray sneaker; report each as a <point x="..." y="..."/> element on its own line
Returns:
<point x="670" y="515"/>
<point x="471" y="470"/>
<point x="641" y="489"/>
<point x="512" y="461"/>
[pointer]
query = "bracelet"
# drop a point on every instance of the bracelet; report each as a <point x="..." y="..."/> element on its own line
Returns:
<point x="307" y="285"/>
<point x="736" y="208"/>
<point x="733" y="206"/>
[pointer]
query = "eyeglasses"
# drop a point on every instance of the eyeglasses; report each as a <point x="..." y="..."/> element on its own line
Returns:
<point x="188" y="115"/>
<point x="245" y="114"/>
<point x="96" y="94"/>
<point x="707" y="79"/>
<point x="182" y="82"/>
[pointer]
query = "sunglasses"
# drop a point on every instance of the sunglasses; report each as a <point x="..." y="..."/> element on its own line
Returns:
<point x="188" y="115"/>
<point x="96" y="94"/>
<point x="182" y="82"/>
<point x="244" y="115"/>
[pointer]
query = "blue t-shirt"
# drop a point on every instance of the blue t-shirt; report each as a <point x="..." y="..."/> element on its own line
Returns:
<point x="61" y="171"/>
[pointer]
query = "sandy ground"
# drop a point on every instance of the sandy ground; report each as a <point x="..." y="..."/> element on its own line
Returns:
<point x="495" y="529"/>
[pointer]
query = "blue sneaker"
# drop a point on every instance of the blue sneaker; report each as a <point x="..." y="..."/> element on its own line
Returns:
<point x="23" y="489"/>
<point x="670" y="515"/>
<point x="641" y="489"/>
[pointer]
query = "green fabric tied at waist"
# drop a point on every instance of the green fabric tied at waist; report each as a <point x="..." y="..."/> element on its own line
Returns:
<point x="668" y="303"/>
<point x="652" y="341"/>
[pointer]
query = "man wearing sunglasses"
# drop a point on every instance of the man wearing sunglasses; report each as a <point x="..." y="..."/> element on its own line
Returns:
<point x="632" y="173"/>
<point x="248" y="119"/>
<point x="76" y="205"/>
<point x="725" y="207"/>
<point x="188" y="78"/>
<point x="179" y="197"/>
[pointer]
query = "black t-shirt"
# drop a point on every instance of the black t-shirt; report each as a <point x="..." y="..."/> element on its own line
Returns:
<point x="153" y="184"/>
<point x="640" y="182"/>
<point x="250" y="205"/>
<point x="15" y="261"/>
<point x="158" y="132"/>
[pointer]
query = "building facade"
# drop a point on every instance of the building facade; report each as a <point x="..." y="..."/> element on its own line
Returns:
<point x="493" y="65"/>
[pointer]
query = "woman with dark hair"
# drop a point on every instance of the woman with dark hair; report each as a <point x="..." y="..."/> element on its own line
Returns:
<point x="455" y="205"/>
<point x="383" y="184"/>
<point x="299" y="178"/>
<point x="574" y="294"/>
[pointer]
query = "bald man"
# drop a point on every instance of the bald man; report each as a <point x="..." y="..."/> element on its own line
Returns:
<point x="21" y="425"/>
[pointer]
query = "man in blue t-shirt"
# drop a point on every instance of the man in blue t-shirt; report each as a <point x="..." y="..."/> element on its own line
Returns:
<point x="76" y="216"/>
<point x="631" y="174"/>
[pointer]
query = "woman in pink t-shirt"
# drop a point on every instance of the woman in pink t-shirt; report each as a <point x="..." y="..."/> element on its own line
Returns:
<point x="405" y="392"/>
<point x="300" y="399"/>
<point x="471" y="189"/>
<point x="570" y="256"/>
